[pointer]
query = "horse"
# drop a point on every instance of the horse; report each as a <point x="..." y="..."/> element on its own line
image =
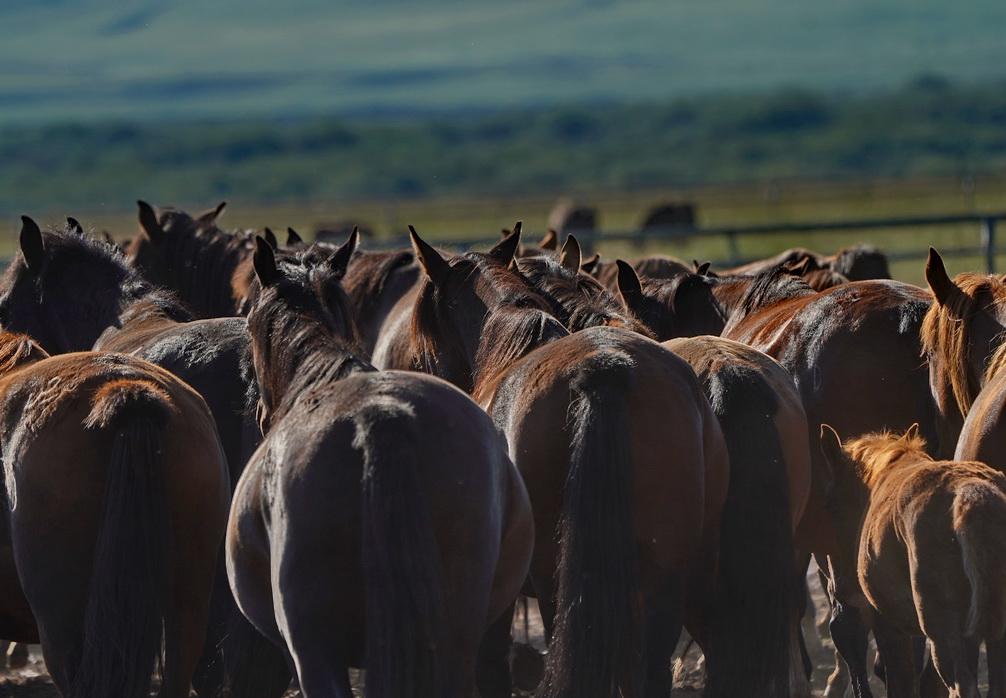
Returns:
<point x="855" y="354"/>
<point x="622" y="456"/>
<point x="656" y="267"/>
<point x="927" y="542"/>
<point x="960" y="334"/>
<point x="856" y="263"/>
<point x="759" y="600"/>
<point x="381" y="523"/>
<point x="116" y="503"/>
<point x="72" y="293"/>
<point x="756" y="610"/>
<point x="191" y="256"/>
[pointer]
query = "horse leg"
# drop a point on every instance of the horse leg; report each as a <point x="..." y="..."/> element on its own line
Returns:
<point x="996" y="658"/>
<point x="185" y="626"/>
<point x="663" y="629"/>
<point x="493" y="669"/>
<point x="956" y="659"/>
<point x="849" y="635"/>
<point x="899" y="662"/>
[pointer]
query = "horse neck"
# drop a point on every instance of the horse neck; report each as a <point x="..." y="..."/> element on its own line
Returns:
<point x="738" y="298"/>
<point x="200" y="268"/>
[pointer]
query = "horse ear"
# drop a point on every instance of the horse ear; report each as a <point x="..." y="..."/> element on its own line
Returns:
<point x="339" y="261"/>
<point x="628" y="285"/>
<point x="550" y="241"/>
<point x="32" y="248"/>
<point x="942" y="286"/>
<point x="590" y="265"/>
<point x="504" y="250"/>
<point x="74" y="225"/>
<point x="800" y="268"/>
<point x="292" y="238"/>
<point x="701" y="269"/>
<point x="265" y="262"/>
<point x="912" y="433"/>
<point x="433" y="264"/>
<point x="569" y="256"/>
<point x="149" y="223"/>
<point x="210" y="217"/>
<point x="270" y="237"/>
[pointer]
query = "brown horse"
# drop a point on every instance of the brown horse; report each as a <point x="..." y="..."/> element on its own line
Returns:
<point x="657" y="267"/>
<point x="927" y="541"/>
<point x="626" y="500"/>
<point x="191" y="256"/>
<point x="381" y="523"/>
<point x="856" y="263"/>
<point x="854" y="353"/>
<point x="72" y="292"/>
<point x="756" y="609"/>
<point x="961" y="332"/>
<point x="116" y="501"/>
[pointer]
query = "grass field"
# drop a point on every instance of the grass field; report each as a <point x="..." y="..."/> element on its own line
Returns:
<point x="775" y="202"/>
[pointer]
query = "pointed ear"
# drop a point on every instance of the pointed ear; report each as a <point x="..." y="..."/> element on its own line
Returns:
<point x="590" y="265"/>
<point x="74" y="225"/>
<point x="210" y="217"/>
<point x="701" y="269"/>
<point x="942" y="286"/>
<point x="550" y="241"/>
<point x="265" y="262"/>
<point x="339" y="261"/>
<point x="628" y="285"/>
<point x="292" y="238"/>
<point x="270" y="237"/>
<point x="504" y="250"/>
<point x="800" y="268"/>
<point x="149" y="223"/>
<point x="32" y="248"/>
<point x="433" y="264"/>
<point x="569" y="255"/>
<point x="912" y="433"/>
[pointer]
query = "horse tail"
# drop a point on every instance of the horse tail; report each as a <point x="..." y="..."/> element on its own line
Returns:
<point x="124" y="619"/>
<point x="980" y="523"/>
<point x="756" y="593"/>
<point x="406" y="618"/>
<point x="596" y="647"/>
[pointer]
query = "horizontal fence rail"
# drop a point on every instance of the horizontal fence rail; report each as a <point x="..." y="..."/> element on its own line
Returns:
<point x="590" y="238"/>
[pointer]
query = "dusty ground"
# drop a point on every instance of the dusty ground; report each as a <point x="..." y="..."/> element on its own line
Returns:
<point x="33" y="682"/>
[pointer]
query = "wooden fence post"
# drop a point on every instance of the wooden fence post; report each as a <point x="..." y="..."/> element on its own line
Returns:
<point x="989" y="244"/>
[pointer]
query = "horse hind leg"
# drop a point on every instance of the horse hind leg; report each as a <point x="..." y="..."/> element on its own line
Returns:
<point x="996" y="657"/>
<point x="849" y="635"/>
<point x="956" y="660"/>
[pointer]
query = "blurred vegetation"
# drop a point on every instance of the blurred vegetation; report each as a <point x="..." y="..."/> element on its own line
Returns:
<point x="930" y="127"/>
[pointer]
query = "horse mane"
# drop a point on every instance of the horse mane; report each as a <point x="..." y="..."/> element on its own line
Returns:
<point x="946" y="331"/>
<point x="308" y="345"/>
<point x="517" y="322"/>
<point x="578" y="300"/>
<point x="823" y="279"/>
<point x="367" y="275"/>
<point x="875" y="454"/>
<point x="17" y="350"/>
<point x="771" y="286"/>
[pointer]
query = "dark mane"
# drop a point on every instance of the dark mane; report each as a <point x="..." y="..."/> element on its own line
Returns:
<point x="517" y="321"/>
<point x="302" y="331"/>
<point x="577" y="300"/>
<point x="772" y="286"/>
<point x="88" y="284"/>
<point x="198" y="261"/>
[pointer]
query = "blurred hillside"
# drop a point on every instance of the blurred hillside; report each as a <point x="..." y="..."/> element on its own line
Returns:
<point x="156" y="59"/>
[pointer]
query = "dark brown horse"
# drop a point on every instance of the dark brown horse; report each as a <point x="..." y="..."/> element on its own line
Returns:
<point x="757" y="608"/>
<point x="72" y="292"/>
<point x="856" y="263"/>
<point x="381" y="524"/>
<point x="854" y="352"/>
<point x="116" y="501"/>
<point x="191" y="256"/>
<point x="927" y="541"/>
<point x="623" y="458"/>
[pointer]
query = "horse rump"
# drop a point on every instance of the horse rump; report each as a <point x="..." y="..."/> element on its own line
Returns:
<point x="980" y="525"/>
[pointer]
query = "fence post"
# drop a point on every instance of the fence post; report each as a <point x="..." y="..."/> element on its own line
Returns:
<point x="733" y="249"/>
<point x="989" y="244"/>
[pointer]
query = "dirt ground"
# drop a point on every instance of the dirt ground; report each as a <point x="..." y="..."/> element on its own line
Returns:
<point x="33" y="682"/>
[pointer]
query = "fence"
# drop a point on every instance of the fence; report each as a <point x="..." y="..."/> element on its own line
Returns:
<point x="987" y="247"/>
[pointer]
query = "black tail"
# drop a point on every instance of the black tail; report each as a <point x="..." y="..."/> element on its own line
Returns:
<point x="406" y="614"/>
<point x="124" y="619"/>
<point x="756" y="596"/>
<point x="596" y="647"/>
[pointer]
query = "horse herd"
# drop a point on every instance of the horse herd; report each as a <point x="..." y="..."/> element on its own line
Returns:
<point x="230" y="464"/>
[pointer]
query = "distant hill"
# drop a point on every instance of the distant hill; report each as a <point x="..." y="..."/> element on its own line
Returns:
<point x="154" y="59"/>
